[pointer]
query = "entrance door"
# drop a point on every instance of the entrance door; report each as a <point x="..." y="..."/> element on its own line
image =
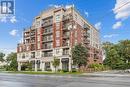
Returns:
<point x="65" y="64"/>
<point x="47" y="66"/>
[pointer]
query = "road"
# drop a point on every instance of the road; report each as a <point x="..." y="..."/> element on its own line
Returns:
<point x="89" y="80"/>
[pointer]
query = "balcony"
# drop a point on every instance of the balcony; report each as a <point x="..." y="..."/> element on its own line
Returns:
<point x="86" y="34"/>
<point x="32" y="34"/>
<point x="65" y="29"/>
<point x="47" y="47"/>
<point x="86" y="26"/>
<point x="65" y="44"/>
<point x="32" y="41"/>
<point x="23" y="56"/>
<point x="66" y="36"/>
<point x="33" y="55"/>
<point x="65" y="52"/>
<point x="67" y="17"/>
<point x="48" y="54"/>
<point x="47" y="23"/>
<point x="47" y="40"/>
<point x="86" y="41"/>
<point x="48" y="32"/>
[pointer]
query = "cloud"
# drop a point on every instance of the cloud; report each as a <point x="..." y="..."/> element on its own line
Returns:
<point x="117" y="25"/>
<point x="110" y="35"/>
<point x="98" y="25"/>
<point x="13" y="32"/>
<point x="7" y="50"/>
<point x="121" y="9"/>
<point x="13" y="19"/>
<point x="56" y="6"/>
<point x="86" y="13"/>
<point x="69" y="6"/>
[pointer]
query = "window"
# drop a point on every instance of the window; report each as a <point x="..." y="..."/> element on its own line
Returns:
<point x="38" y="46"/>
<point x="27" y="48"/>
<point x="20" y="49"/>
<point x="38" y="54"/>
<point x="65" y="51"/>
<point x="37" y="23"/>
<point x="57" y="33"/>
<point x="33" y="55"/>
<point x="58" y="24"/>
<point x="57" y="51"/>
<point x="76" y="41"/>
<point x="76" y="33"/>
<point x="38" y="38"/>
<point x="27" y="55"/>
<point x="23" y="56"/>
<point x="57" y="18"/>
<point x="57" y="42"/>
<point x="76" y="16"/>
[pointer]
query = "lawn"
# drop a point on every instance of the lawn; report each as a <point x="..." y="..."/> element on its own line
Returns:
<point x="45" y="73"/>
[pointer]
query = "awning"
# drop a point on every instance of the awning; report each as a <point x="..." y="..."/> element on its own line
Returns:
<point x="65" y="60"/>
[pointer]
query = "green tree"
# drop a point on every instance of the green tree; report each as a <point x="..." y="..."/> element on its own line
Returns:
<point x="12" y="61"/>
<point x="56" y="63"/>
<point x="117" y="55"/>
<point x="124" y="50"/>
<point x="2" y="56"/>
<point x="79" y="55"/>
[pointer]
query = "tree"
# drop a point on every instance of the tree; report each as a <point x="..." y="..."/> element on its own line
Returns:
<point x="2" y="56"/>
<point x="117" y="55"/>
<point x="124" y="50"/>
<point x="79" y="55"/>
<point x="12" y="61"/>
<point x="56" y="63"/>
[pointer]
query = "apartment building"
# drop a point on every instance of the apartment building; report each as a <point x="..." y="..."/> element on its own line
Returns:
<point x="53" y="33"/>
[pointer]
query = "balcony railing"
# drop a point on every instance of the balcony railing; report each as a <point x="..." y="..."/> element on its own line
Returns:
<point x="65" y="44"/>
<point x="66" y="36"/>
<point x="86" y="26"/>
<point x="47" y="47"/>
<point x="86" y="34"/>
<point x="47" y="40"/>
<point x="65" y="52"/>
<point x="48" y="55"/>
<point x="65" y="29"/>
<point x="47" y="24"/>
<point x="86" y="41"/>
<point x="32" y="56"/>
<point x="49" y="32"/>
<point x="67" y="17"/>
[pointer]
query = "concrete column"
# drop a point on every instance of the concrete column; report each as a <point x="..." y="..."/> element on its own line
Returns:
<point x="35" y="65"/>
<point x="70" y="65"/>
<point x="43" y="66"/>
<point x="52" y="67"/>
<point x="60" y="66"/>
<point x="40" y="64"/>
<point x="19" y="66"/>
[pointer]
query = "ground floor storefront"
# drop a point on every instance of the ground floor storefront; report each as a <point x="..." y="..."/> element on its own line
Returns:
<point x="47" y="65"/>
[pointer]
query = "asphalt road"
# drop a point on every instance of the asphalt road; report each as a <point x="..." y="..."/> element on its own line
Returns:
<point x="91" y="80"/>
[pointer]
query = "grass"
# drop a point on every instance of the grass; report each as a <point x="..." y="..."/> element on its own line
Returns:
<point x="2" y="69"/>
<point x="45" y="73"/>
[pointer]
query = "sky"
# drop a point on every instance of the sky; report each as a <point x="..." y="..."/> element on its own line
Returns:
<point x="111" y="17"/>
